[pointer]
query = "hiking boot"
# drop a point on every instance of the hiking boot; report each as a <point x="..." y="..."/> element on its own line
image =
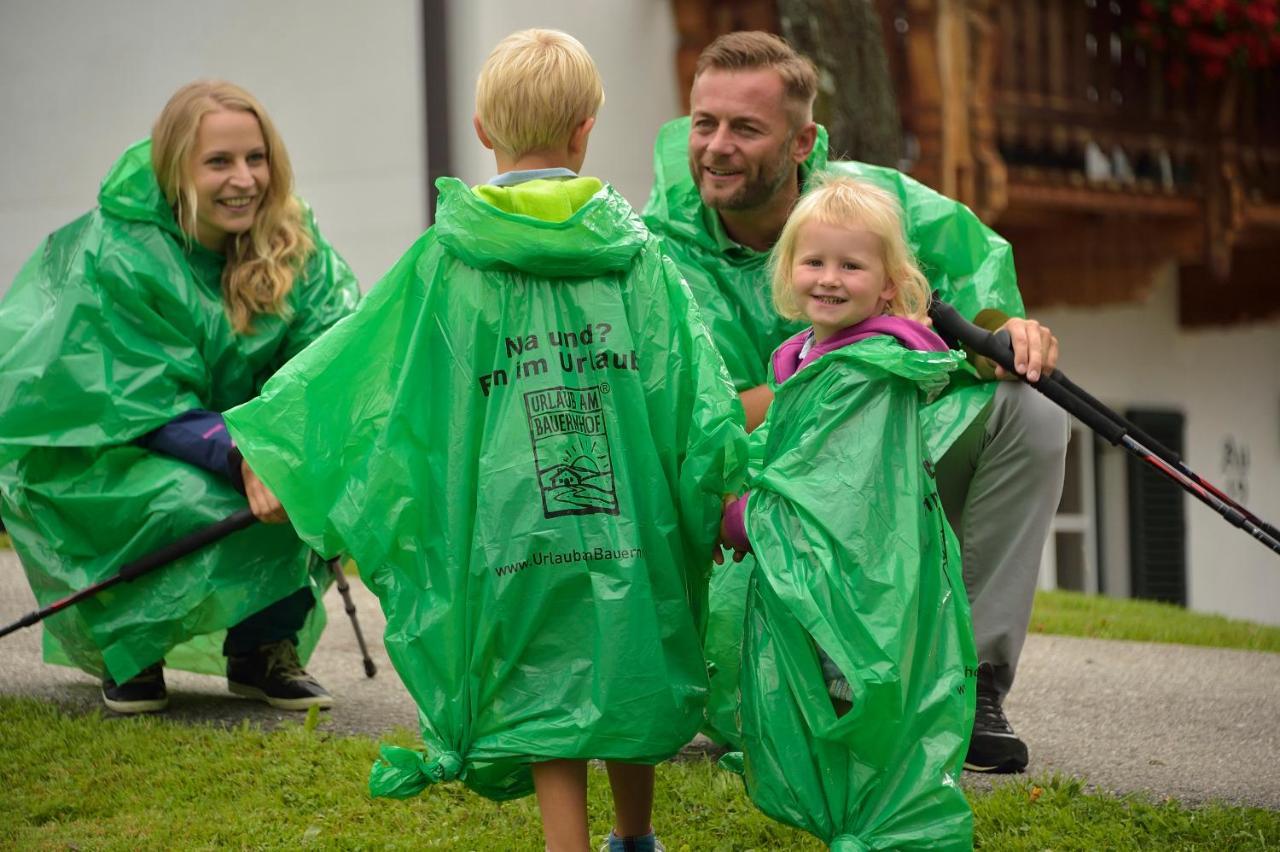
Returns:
<point x="994" y="747"/>
<point x="273" y="674"/>
<point x="143" y="693"/>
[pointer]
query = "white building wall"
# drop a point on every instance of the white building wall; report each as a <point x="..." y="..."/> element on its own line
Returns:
<point x="79" y="81"/>
<point x="1227" y="384"/>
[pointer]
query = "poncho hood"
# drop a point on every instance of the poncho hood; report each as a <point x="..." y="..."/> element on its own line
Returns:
<point x="603" y="236"/>
<point x="131" y="192"/>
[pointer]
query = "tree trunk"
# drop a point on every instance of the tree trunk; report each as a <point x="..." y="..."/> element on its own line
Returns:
<point x="856" y="101"/>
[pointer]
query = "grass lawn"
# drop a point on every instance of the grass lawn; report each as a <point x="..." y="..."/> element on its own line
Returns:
<point x="102" y="782"/>
<point x="94" y="782"/>
<point x="1074" y="614"/>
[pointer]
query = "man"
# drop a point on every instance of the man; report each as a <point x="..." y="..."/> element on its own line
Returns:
<point x="726" y="180"/>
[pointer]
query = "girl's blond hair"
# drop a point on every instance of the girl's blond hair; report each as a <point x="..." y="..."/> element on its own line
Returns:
<point x="849" y="203"/>
<point x="262" y="262"/>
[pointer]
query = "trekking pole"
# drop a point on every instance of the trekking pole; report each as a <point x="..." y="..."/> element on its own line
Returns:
<point x="1165" y="453"/>
<point x="175" y="550"/>
<point x="1107" y="423"/>
<point x="335" y="565"/>
<point x="185" y="546"/>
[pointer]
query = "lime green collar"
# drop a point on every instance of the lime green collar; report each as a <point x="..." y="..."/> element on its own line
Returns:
<point x="545" y="199"/>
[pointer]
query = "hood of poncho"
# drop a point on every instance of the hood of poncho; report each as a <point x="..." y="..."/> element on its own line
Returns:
<point x="131" y="192"/>
<point x="602" y="236"/>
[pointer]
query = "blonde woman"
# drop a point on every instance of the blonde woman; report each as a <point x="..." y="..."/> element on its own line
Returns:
<point x="122" y="340"/>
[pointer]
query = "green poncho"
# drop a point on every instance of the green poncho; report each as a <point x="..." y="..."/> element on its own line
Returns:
<point x="967" y="264"/>
<point x="114" y="327"/>
<point x="853" y="552"/>
<point x="522" y="437"/>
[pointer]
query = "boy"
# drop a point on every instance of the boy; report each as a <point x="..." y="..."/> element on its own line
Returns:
<point x="522" y="438"/>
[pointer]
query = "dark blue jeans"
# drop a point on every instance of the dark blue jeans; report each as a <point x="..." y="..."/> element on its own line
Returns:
<point x="281" y="620"/>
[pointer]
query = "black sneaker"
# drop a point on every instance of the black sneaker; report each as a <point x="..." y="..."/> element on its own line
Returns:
<point x="994" y="747"/>
<point x="273" y="674"/>
<point x="143" y="693"/>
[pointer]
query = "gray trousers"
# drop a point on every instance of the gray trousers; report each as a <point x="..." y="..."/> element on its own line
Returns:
<point x="1000" y="484"/>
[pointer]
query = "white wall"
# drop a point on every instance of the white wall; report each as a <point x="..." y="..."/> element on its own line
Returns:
<point x="633" y="43"/>
<point x="79" y="81"/>
<point x="1227" y="384"/>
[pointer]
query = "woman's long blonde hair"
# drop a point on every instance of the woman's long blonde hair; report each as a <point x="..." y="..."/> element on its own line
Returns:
<point x="262" y="262"/>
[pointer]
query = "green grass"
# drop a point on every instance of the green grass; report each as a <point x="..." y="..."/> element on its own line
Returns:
<point x="4" y="541"/>
<point x="1098" y="617"/>
<point x="89" y="782"/>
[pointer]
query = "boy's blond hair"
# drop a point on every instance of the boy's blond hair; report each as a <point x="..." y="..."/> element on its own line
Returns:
<point x="849" y="203"/>
<point x="536" y="86"/>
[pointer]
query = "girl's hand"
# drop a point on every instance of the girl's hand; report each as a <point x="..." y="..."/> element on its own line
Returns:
<point x="265" y="505"/>
<point x="717" y="552"/>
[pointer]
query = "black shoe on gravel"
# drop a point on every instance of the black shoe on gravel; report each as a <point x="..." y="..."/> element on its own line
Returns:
<point x="143" y="693"/>
<point x="994" y="748"/>
<point x="273" y="674"/>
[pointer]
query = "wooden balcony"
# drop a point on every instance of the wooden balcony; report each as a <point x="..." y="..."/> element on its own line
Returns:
<point x="1060" y="127"/>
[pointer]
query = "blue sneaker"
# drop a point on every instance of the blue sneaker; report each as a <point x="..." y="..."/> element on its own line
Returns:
<point x="647" y="843"/>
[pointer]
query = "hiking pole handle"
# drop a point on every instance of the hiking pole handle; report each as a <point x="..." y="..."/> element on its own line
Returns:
<point x="997" y="347"/>
<point x="184" y="546"/>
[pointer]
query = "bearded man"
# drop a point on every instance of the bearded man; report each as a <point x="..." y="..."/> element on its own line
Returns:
<point x="726" y="179"/>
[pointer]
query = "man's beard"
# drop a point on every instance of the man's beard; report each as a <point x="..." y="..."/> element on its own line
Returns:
<point x="755" y="191"/>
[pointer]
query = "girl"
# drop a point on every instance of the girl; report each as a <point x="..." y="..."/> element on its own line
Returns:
<point x="121" y="342"/>
<point x="856" y="693"/>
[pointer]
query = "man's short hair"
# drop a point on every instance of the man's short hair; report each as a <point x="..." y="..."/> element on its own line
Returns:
<point x="536" y="86"/>
<point x="750" y="51"/>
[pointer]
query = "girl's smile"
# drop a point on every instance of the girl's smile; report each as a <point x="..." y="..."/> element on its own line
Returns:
<point x="838" y="276"/>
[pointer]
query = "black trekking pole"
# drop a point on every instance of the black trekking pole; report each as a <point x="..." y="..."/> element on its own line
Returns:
<point x="186" y="545"/>
<point x="1111" y="426"/>
<point x="335" y="565"/>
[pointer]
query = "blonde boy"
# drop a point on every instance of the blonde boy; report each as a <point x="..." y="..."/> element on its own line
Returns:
<point x="534" y="430"/>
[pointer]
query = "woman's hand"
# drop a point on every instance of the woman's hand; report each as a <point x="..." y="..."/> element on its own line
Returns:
<point x="265" y="505"/>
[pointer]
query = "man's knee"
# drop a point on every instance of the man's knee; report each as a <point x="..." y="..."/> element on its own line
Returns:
<point x="1024" y="415"/>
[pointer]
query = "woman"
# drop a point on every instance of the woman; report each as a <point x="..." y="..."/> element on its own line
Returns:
<point x="121" y="342"/>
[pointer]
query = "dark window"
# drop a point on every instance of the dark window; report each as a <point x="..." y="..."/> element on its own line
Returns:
<point x="1157" y="516"/>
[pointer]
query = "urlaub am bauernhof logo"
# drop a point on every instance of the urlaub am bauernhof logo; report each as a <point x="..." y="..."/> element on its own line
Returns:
<point x="571" y="451"/>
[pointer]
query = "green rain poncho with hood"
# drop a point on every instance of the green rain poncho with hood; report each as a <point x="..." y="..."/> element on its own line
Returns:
<point x="114" y="327"/>
<point x="522" y="437"/>
<point x="854" y="555"/>
<point x="967" y="264"/>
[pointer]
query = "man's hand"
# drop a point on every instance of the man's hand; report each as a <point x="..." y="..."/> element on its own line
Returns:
<point x="1035" y="349"/>
<point x="266" y="507"/>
